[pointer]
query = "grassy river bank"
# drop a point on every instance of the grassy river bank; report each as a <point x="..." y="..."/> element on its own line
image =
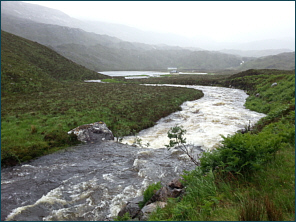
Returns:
<point x="251" y="176"/>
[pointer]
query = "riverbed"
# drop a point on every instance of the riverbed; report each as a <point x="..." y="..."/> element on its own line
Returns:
<point x="92" y="182"/>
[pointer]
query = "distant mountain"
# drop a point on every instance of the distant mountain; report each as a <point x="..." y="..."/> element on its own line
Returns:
<point x="254" y="53"/>
<point x="27" y="66"/>
<point x="98" y="52"/>
<point x="37" y="13"/>
<point x="283" y="61"/>
<point x="101" y="52"/>
<point x="46" y="15"/>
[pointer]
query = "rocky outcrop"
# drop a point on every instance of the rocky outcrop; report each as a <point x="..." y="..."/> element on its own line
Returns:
<point x="93" y="133"/>
<point x="172" y="190"/>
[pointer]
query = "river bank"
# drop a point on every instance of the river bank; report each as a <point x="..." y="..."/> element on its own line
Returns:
<point x="274" y="180"/>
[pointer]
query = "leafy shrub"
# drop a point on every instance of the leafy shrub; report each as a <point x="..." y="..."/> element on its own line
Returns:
<point x="241" y="153"/>
<point x="149" y="192"/>
<point x="177" y="140"/>
<point x="125" y="217"/>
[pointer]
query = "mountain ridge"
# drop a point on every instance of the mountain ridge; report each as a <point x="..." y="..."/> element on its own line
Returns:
<point x="131" y="34"/>
<point x="102" y="52"/>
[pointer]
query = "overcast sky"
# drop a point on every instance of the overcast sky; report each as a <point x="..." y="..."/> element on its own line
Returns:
<point x="221" y="21"/>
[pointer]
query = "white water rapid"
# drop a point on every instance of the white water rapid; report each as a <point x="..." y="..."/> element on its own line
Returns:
<point x="220" y="112"/>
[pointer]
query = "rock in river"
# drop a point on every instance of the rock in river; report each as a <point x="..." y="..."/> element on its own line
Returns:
<point x="93" y="132"/>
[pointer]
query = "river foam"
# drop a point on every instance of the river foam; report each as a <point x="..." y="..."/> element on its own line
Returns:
<point x="220" y="112"/>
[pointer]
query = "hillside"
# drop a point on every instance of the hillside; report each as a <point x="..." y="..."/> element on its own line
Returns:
<point x="37" y="13"/>
<point x="80" y="42"/>
<point x="255" y="53"/>
<point x="27" y="66"/>
<point x="101" y="52"/>
<point x="284" y="61"/>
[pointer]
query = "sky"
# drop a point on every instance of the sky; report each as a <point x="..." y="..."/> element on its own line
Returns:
<point x="217" y="20"/>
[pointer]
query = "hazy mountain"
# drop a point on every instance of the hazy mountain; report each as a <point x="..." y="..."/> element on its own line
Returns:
<point x="98" y="52"/>
<point x="255" y="53"/>
<point x="283" y="61"/>
<point x="101" y="52"/>
<point x="51" y="16"/>
<point x="52" y="35"/>
<point x="37" y="13"/>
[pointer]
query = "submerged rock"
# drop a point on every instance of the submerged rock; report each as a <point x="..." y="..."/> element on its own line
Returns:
<point x="93" y="132"/>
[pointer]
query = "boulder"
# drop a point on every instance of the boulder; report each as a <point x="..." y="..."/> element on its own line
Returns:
<point x="164" y="193"/>
<point x="172" y="190"/>
<point x="148" y="209"/>
<point x="175" y="183"/>
<point x="93" y="133"/>
<point x="132" y="207"/>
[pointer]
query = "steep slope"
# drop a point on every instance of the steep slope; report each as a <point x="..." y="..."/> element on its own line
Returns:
<point x="27" y="66"/>
<point x="52" y="35"/>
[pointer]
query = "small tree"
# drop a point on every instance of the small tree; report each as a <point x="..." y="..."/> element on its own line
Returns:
<point x="177" y="140"/>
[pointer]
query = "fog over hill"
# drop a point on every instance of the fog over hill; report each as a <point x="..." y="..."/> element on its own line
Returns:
<point x="105" y="46"/>
<point x="52" y="16"/>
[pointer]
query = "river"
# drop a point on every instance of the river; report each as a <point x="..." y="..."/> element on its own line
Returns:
<point x="92" y="182"/>
<point x="220" y="112"/>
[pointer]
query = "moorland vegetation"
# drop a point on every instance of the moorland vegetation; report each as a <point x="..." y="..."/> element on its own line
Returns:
<point x="251" y="176"/>
<point x="44" y="96"/>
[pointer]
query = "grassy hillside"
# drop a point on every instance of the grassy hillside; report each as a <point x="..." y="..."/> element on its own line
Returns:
<point x="284" y="61"/>
<point x="27" y="66"/>
<point x="43" y="97"/>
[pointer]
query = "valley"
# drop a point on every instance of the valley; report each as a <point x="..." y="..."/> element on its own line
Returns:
<point x="58" y="73"/>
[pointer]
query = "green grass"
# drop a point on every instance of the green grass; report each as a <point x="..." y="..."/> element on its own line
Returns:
<point x="149" y="192"/>
<point x="126" y="109"/>
<point x="42" y="99"/>
<point x="43" y="96"/>
<point x="27" y="67"/>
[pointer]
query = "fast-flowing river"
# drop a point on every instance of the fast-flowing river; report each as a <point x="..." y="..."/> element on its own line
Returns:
<point x="92" y="182"/>
<point x="220" y="112"/>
